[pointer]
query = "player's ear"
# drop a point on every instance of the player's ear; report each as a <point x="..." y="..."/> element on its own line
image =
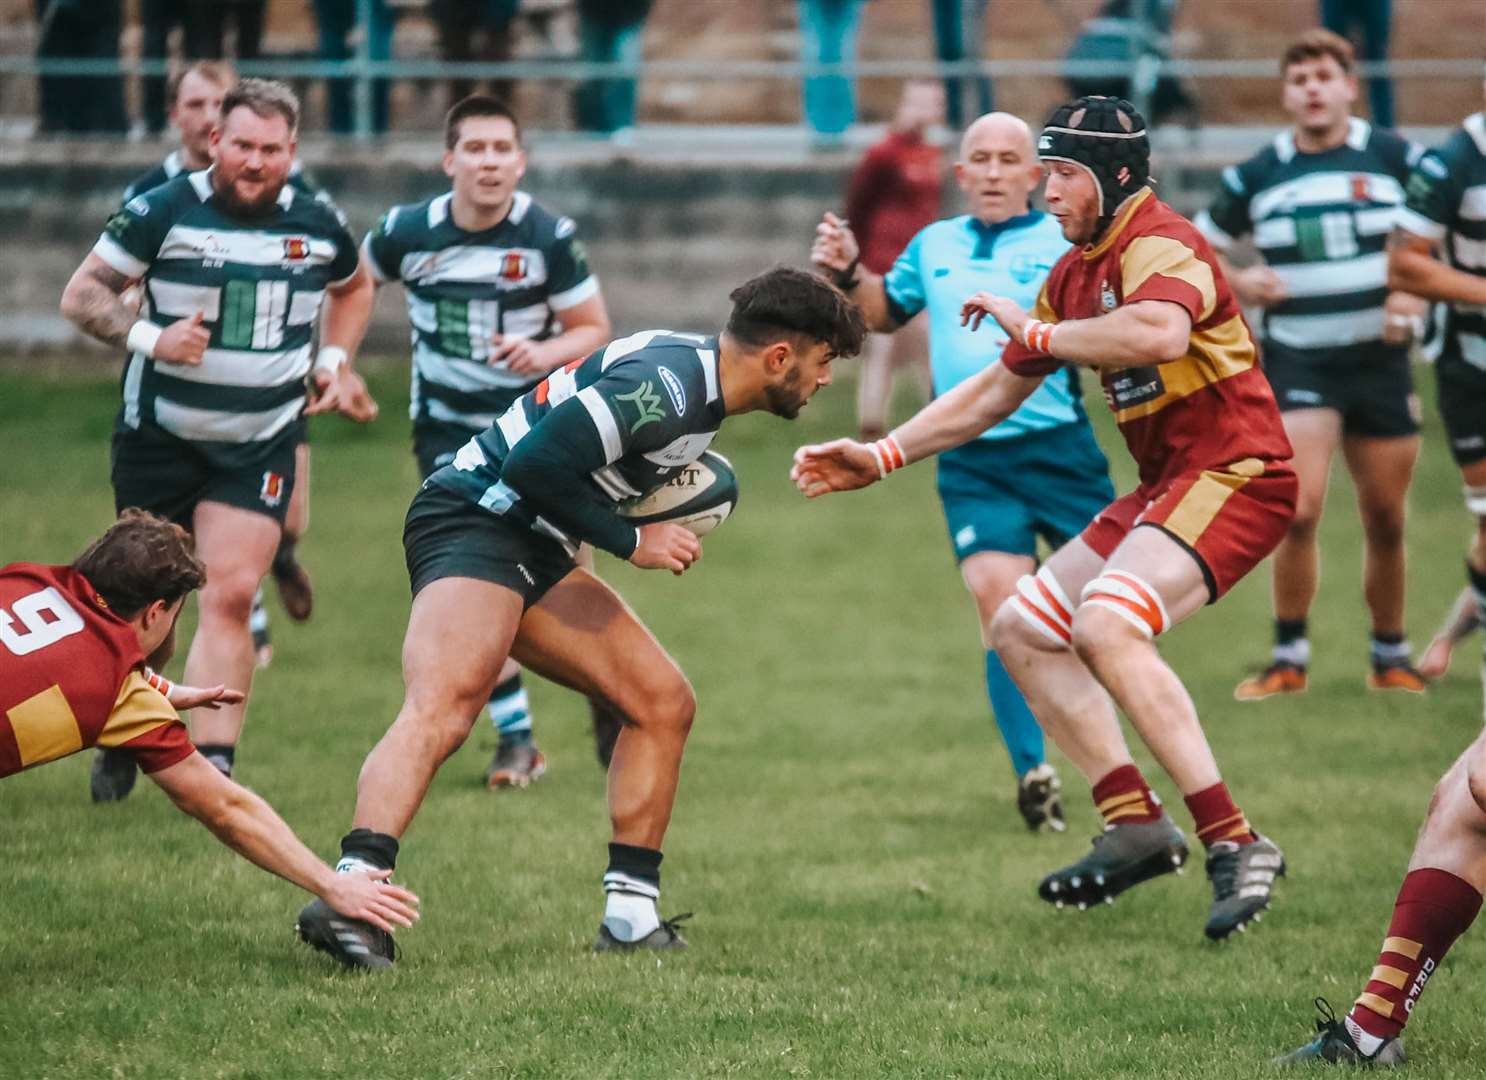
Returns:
<point x="778" y="357"/>
<point x="449" y="163"/>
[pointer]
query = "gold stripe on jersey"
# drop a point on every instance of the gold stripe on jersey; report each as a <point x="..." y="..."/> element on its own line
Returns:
<point x="1403" y="947"/>
<point x="45" y="727"/>
<point x="1146" y="256"/>
<point x="138" y="709"/>
<point x="1205" y="498"/>
<point x="1217" y="353"/>
<point x="1385" y="973"/>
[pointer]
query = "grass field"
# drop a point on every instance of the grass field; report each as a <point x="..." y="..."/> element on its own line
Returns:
<point x="845" y="833"/>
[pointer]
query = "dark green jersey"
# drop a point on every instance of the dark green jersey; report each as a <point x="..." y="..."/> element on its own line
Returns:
<point x="593" y="435"/>
<point x="463" y="288"/>
<point x="1447" y="204"/>
<point x="1321" y="221"/>
<point x="259" y="282"/>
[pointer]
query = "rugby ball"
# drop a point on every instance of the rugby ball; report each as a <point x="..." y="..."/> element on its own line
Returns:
<point x="699" y="498"/>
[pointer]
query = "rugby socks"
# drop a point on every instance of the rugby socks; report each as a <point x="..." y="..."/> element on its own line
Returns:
<point x="1124" y="798"/>
<point x="1389" y="651"/>
<point x="1477" y="579"/>
<point x="510" y="711"/>
<point x="1019" y="728"/>
<point x="258" y="621"/>
<point x="1291" y="645"/>
<point x="1434" y="907"/>
<point x="1217" y="818"/>
<point x="631" y="888"/>
<point x="364" y="849"/>
<point x="220" y="755"/>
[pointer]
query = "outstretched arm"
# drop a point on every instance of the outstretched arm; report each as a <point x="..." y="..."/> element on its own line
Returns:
<point x="250" y="827"/>
<point x="978" y="403"/>
<point x="1134" y="335"/>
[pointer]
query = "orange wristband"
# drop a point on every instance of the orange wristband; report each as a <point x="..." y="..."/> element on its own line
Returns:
<point x="889" y="456"/>
<point x="1039" y="336"/>
<point x="159" y="682"/>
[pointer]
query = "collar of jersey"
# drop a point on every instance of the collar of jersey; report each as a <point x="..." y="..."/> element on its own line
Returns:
<point x="1137" y="201"/>
<point x="995" y="228"/>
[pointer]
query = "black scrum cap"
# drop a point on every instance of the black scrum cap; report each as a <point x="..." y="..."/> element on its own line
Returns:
<point x="1106" y="137"/>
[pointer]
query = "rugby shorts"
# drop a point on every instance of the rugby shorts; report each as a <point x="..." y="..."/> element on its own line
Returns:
<point x="1462" y="392"/>
<point x="1002" y="494"/>
<point x="446" y="536"/>
<point x="1228" y="519"/>
<point x="435" y="443"/>
<point x="1370" y="385"/>
<point x="156" y="471"/>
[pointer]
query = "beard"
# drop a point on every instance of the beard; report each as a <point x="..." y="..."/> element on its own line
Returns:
<point x="784" y="398"/>
<point x="226" y="190"/>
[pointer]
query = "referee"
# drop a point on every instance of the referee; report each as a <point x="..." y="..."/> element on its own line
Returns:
<point x="1039" y="473"/>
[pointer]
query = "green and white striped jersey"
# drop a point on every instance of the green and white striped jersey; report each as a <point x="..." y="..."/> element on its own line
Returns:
<point x="1321" y="221"/>
<point x="463" y="288"/>
<point x="259" y="282"/>
<point x="594" y="435"/>
<point x="1447" y="203"/>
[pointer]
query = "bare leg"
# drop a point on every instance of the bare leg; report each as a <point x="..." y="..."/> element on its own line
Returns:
<point x="1315" y="435"/>
<point x="1461" y="623"/>
<point x="237" y="547"/>
<point x="875" y="386"/>
<point x="1382" y="470"/>
<point x="297" y="519"/>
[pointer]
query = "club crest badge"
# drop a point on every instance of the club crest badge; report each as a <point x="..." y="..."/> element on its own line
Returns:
<point x="512" y="266"/>
<point x="296" y="248"/>
<point x="1107" y="299"/>
<point x="273" y="489"/>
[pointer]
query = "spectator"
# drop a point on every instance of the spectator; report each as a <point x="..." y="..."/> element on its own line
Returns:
<point x="1134" y="32"/>
<point x="1372" y="18"/>
<point x="74" y="30"/>
<point x="475" y="30"/>
<point x="895" y="192"/>
<point x="958" y="29"/>
<point x="203" y="33"/>
<point x="828" y="35"/>
<point x="610" y="32"/>
<point x="337" y="19"/>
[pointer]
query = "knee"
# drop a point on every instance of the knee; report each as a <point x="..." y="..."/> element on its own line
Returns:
<point x="1009" y="634"/>
<point x="228" y="595"/>
<point x="668" y="704"/>
<point x="1383" y="526"/>
<point x="1099" y="635"/>
<point x="1302" y="527"/>
<point x="437" y="728"/>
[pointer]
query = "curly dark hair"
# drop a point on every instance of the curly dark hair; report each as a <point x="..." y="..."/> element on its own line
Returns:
<point x="141" y="559"/>
<point x="786" y="302"/>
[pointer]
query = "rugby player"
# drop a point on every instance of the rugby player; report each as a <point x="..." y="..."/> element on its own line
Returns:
<point x="1445" y="207"/>
<point x="499" y="295"/>
<point x="1140" y="298"/>
<point x="73" y="645"/>
<point x="235" y="264"/>
<point x="1319" y="203"/>
<point x="1038" y="473"/>
<point x="490" y="541"/>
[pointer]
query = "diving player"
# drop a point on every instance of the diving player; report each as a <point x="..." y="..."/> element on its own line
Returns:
<point x="1141" y="299"/>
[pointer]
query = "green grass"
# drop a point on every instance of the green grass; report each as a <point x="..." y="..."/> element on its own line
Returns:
<point x="845" y="832"/>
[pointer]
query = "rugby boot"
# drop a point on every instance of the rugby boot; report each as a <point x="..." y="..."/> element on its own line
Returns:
<point x="1243" y="877"/>
<point x="515" y="765"/>
<point x="1122" y="856"/>
<point x="353" y="943"/>
<point x="1401" y="676"/>
<point x="296" y="590"/>
<point x="113" y="775"/>
<point x="1039" y="800"/>
<point x="1279" y="678"/>
<point x="666" y="936"/>
<point x="1333" y="1045"/>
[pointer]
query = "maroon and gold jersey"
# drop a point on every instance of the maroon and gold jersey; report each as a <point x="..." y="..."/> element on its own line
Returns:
<point x="71" y="676"/>
<point x="1210" y="408"/>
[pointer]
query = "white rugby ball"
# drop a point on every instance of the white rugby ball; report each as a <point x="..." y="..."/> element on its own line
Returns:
<point x="699" y="498"/>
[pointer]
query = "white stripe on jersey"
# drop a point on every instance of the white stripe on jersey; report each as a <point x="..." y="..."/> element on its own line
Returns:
<point x="110" y="252"/>
<point x="304" y="307"/>
<point x="619" y="348"/>
<point x="1315" y="189"/>
<point x="561" y="385"/>
<point x="182" y="301"/>
<point x="525" y="322"/>
<point x="1338" y="276"/>
<point x="1473" y="203"/>
<point x="1469" y="254"/>
<point x="437" y="410"/>
<point x="513" y="424"/>
<point x="245" y="247"/>
<point x="683" y="450"/>
<point x="603" y="422"/>
<point x="709" y="372"/>
<point x="231" y="367"/>
<point x="1419" y="225"/>
<point x="580" y="292"/>
<point x="269" y="310"/>
<point x="132" y="376"/>
<point x="211" y="425"/>
<point x="1215" y="235"/>
<point x="614" y="485"/>
<point x="1473" y="348"/>
<point x="546" y="528"/>
<point x="1341" y="328"/>
<point x="471" y="262"/>
<point x="466" y="376"/>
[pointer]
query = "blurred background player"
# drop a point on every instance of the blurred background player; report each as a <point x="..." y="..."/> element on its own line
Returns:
<point x="893" y="193"/>
<point x="490" y="541"/>
<point x="1319" y="203"/>
<point x="1445" y="209"/>
<point x="235" y="266"/>
<point x="1039" y="473"/>
<point x="499" y="294"/>
<point x="1142" y="299"/>
<point x="73" y="645"/>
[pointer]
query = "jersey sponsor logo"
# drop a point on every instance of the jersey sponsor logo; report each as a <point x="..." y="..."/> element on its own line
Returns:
<point x="296" y="247"/>
<point x="1134" y="386"/>
<point x="647" y="403"/>
<point x="513" y="265"/>
<point x="138" y="205"/>
<point x="674" y="388"/>
<point x="272" y="492"/>
<point x="1107" y="299"/>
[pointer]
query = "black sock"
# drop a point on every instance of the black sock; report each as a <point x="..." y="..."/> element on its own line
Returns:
<point x="1288" y="630"/>
<point x="376" y="848"/>
<point x="640" y="863"/>
<point x="221" y="756"/>
<point x="286" y="556"/>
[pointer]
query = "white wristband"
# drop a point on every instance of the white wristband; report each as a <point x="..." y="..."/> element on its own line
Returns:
<point x="143" y="336"/>
<point x="331" y="358"/>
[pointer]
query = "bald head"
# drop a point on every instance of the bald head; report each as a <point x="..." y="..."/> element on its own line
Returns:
<point x="998" y="168"/>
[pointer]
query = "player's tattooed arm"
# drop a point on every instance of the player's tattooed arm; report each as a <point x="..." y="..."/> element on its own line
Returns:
<point x="93" y="301"/>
